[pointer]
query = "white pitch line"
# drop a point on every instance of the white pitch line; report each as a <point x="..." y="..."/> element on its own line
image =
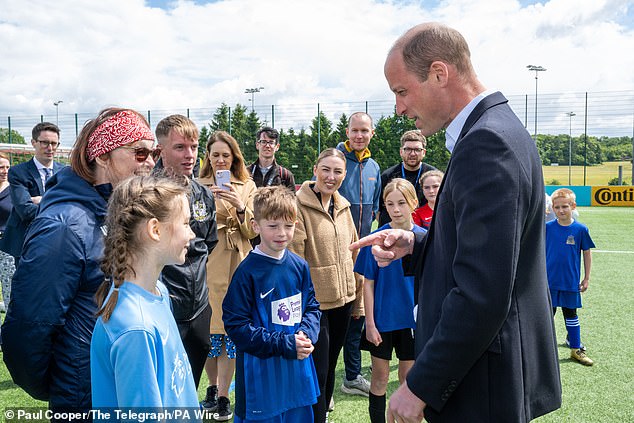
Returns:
<point x="611" y="251"/>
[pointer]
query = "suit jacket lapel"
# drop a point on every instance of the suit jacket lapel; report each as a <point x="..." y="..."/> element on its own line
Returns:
<point x="35" y="174"/>
<point x="486" y="103"/>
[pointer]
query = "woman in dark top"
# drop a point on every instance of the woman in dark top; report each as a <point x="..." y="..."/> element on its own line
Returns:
<point x="7" y="266"/>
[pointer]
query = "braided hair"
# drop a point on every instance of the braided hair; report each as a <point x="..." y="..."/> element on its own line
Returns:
<point x="132" y="203"/>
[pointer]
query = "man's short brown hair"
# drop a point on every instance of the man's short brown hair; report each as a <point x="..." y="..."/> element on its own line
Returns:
<point x="179" y="123"/>
<point x="414" y="135"/>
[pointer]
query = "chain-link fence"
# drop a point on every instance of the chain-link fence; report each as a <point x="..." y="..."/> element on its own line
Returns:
<point x="595" y="114"/>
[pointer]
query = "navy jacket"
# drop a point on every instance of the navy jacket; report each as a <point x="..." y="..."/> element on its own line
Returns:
<point x="47" y="331"/>
<point x="25" y="183"/>
<point x="485" y="340"/>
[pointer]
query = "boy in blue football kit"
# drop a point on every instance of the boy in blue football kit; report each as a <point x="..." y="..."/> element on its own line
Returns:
<point x="566" y="239"/>
<point x="271" y="314"/>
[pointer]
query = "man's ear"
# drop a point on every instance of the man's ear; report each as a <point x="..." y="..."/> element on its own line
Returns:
<point x="440" y="72"/>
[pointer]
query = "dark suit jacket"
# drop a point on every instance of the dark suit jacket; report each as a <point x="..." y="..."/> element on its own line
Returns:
<point x="485" y="341"/>
<point x="25" y="182"/>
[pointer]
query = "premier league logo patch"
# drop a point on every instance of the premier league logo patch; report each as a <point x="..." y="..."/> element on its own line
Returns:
<point x="287" y="311"/>
<point x="283" y="312"/>
<point x="199" y="211"/>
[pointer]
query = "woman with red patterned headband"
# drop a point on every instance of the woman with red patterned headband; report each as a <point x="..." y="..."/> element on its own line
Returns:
<point x="48" y="327"/>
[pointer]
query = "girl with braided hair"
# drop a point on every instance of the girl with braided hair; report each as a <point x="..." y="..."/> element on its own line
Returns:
<point x="137" y="358"/>
<point x="47" y="329"/>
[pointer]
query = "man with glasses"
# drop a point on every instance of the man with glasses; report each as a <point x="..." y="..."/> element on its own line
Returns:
<point x="177" y="139"/>
<point x="265" y="171"/>
<point x="412" y="151"/>
<point x="28" y="183"/>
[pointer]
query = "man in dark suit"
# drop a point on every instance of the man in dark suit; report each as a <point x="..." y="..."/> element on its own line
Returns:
<point x="485" y="341"/>
<point x="27" y="181"/>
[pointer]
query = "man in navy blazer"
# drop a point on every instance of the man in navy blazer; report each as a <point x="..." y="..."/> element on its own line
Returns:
<point x="27" y="184"/>
<point x="485" y="340"/>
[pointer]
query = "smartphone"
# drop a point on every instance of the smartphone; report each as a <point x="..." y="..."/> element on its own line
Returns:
<point x="223" y="177"/>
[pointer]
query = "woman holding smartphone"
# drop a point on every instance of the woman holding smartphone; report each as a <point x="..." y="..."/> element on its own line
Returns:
<point x="234" y="211"/>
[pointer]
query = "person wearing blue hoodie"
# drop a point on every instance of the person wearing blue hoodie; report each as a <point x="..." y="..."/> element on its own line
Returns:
<point x="362" y="188"/>
<point x="50" y="320"/>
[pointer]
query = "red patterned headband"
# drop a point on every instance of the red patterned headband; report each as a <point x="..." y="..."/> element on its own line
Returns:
<point x="120" y="129"/>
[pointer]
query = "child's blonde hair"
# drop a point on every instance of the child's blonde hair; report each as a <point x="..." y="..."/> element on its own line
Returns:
<point x="406" y="188"/>
<point x="434" y="172"/>
<point x="564" y="193"/>
<point x="134" y="201"/>
<point x="276" y="202"/>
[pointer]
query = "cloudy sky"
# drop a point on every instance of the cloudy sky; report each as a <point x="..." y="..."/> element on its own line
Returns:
<point x="163" y="54"/>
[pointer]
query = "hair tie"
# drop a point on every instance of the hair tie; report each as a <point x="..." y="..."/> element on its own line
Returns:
<point x="116" y="289"/>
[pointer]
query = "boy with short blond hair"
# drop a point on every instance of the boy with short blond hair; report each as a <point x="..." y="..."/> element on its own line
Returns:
<point x="271" y="314"/>
<point x="566" y="239"/>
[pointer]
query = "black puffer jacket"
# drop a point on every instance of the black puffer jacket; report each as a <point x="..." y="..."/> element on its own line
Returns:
<point x="187" y="283"/>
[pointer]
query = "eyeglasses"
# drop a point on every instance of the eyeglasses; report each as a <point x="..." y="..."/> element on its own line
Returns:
<point x="142" y="153"/>
<point x="270" y="143"/>
<point x="409" y="150"/>
<point x="47" y="144"/>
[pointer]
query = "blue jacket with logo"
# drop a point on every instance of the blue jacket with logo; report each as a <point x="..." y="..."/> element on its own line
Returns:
<point x="362" y="188"/>
<point x="47" y="331"/>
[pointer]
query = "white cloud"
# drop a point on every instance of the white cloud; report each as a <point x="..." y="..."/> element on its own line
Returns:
<point x="193" y="55"/>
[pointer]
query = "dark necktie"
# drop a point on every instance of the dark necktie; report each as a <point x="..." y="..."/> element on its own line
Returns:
<point x="47" y="175"/>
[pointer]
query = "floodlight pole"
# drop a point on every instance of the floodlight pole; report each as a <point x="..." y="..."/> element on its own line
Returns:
<point x="252" y="91"/>
<point x="536" y="69"/>
<point x="56" y="104"/>
<point x="570" y="115"/>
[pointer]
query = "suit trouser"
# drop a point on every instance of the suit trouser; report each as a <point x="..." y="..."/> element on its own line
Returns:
<point x="195" y="336"/>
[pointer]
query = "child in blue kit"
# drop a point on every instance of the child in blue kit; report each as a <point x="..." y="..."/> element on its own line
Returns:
<point x="566" y="239"/>
<point x="137" y="358"/>
<point x="271" y="314"/>
<point x="389" y="301"/>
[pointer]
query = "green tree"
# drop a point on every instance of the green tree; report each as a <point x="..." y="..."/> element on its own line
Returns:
<point x="339" y="135"/>
<point x="16" y="138"/>
<point x="220" y="121"/>
<point x="306" y="155"/>
<point x="252" y="126"/>
<point x="321" y="132"/>
<point x="203" y="137"/>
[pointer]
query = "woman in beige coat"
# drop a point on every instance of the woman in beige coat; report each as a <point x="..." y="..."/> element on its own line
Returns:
<point x="234" y="211"/>
<point x="324" y="231"/>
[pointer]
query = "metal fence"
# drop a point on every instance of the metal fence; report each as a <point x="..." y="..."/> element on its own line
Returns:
<point x="598" y="114"/>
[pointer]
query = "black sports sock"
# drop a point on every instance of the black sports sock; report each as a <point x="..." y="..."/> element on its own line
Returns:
<point x="376" y="408"/>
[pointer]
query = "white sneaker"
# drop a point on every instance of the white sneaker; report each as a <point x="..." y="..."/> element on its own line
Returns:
<point x="358" y="386"/>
